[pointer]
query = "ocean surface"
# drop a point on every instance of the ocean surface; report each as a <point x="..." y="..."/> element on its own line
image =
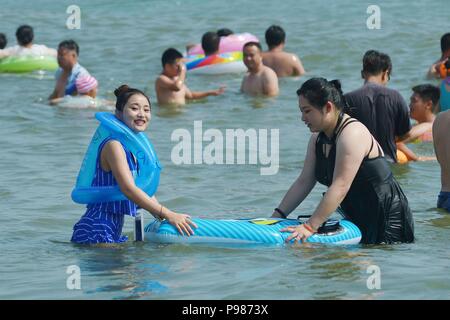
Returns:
<point x="121" y="42"/>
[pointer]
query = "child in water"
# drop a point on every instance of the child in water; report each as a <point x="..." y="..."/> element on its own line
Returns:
<point x="103" y="222"/>
<point x="87" y="91"/>
<point x="170" y="85"/>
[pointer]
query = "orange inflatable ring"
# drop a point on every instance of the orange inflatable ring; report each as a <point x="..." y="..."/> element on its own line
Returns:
<point x="401" y="157"/>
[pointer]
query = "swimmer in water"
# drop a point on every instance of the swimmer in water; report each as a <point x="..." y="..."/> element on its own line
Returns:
<point x="170" y="85"/>
<point x="260" y="79"/>
<point x="86" y="86"/>
<point x="424" y="103"/>
<point x="283" y="63"/>
<point x="25" y="45"/>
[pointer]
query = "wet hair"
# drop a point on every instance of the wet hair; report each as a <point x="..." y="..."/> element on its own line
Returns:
<point x="210" y="42"/>
<point x="69" y="45"/>
<point x="252" y="43"/>
<point x="170" y="56"/>
<point x="445" y="42"/>
<point x="3" y="41"/>
<point x="224" y="32"/>
<point x="318" y="91"/>
<point x="24" y="35"/>
<point x="375" y="62"/>
<point x="124" y="93"/>
<point x="275" y="36"/>
<point x="428" y="92"/>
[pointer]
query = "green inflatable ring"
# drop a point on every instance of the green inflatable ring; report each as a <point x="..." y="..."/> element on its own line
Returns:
<point x="28" y="64"/>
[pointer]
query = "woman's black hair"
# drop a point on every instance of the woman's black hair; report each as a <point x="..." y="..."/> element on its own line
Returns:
<point x="123" y="93"/>
<point x="318" y="91"/>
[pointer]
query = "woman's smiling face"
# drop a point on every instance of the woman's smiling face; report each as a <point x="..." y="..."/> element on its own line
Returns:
<point x="136" y="113"/>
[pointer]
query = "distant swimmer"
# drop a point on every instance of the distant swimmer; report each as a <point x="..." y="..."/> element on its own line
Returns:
<point x="441" y="140"/>
<point x="87" y="87"/>
<point x="283" y="63"/>
<point x="25" y="45"/>
<point x="433" y="71"/>
<point x="224" y="32"/>
<point x="260" y="79"/>
<point x="345" y="157"/>
<point x="3" y="41"/>
<point x="424" y="103"/>
<point x="69" y="70"/>
<point x="170" y="85"/>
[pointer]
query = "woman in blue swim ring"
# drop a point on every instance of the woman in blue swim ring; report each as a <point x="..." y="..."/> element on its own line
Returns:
<point x="120" y="174"/>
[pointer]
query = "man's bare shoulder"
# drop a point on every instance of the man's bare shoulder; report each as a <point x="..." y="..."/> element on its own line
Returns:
<point x="268" y="72"/>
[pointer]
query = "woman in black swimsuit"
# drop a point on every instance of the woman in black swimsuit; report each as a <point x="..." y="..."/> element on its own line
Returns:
<point x="344" y="156"/>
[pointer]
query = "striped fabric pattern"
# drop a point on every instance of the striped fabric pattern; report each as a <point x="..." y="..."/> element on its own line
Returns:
<point x="103" y="222"/>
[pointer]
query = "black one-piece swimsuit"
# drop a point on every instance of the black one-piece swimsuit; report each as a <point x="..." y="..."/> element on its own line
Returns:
<point x="375" y="202"/>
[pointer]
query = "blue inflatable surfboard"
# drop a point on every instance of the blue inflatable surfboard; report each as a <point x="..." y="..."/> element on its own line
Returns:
<point x="249" y="231"/>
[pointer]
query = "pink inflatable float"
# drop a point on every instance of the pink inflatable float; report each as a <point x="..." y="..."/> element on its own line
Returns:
<point x="233" y="42"/>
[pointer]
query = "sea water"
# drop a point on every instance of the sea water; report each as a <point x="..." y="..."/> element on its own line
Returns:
<point x="120" y="42"/>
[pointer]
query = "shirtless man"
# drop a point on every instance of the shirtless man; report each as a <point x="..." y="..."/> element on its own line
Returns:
<point x="433" y="72"/>
<point x="170" y="85"/>
<point x="441" y="140"/>
<point x="259" y="80"/>
<point x="284" y="64"/>
<point x="424" y="103"/>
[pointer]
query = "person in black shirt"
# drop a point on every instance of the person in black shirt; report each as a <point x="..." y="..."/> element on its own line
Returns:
<point x="382" y="110"/>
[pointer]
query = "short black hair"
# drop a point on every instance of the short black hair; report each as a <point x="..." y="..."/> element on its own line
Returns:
<point x="428" y="92"/>
<point x="24" y="35"/>
<point x="70" y="45"/>
<point x="445" y="42"/>
<point x="252" y="43"/>
<point x="375" y="62"/>
<point x="210" y="42"/>
<point x="224" y="32"/>
<point x="3" y="40"/>
<point x="170" y="56"/>
<point x="275" y="36"/>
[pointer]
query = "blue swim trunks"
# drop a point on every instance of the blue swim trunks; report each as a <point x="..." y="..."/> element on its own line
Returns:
<point x="444" y="200"/>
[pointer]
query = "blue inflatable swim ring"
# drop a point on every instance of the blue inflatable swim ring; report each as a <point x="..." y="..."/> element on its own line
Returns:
<point x="262" y="231"/>
<point x="147" y="177"/>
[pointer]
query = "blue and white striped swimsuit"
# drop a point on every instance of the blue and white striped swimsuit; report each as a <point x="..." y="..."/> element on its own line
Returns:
<point x="103" y="222"/>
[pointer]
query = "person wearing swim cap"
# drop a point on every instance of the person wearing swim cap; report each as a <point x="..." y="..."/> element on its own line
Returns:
<point x="86" y="86"/>
<point x="25" y="45"/>
<point x="424" y="103"/>
<point x="345" y="157"/>
<point x="441" y="140"/>
<point x="69" y="70"/>
<point x="87" y="92"/>
<point x="103" y="222"/>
